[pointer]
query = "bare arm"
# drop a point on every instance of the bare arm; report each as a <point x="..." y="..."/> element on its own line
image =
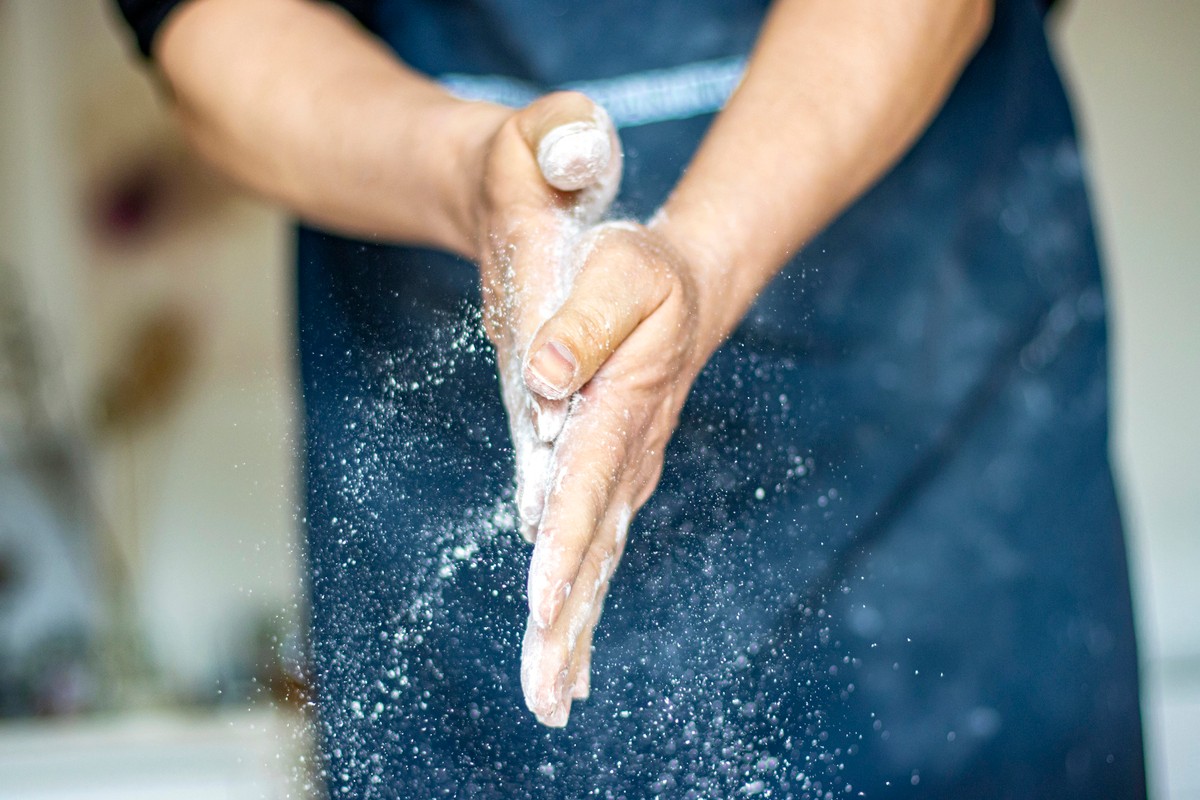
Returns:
<point x="294" y="100"/>
<point x="835" y="92"/>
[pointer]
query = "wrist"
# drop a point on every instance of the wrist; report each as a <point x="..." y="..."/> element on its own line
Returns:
<point x="466" y="129"/>
<point x="712" y="268"/>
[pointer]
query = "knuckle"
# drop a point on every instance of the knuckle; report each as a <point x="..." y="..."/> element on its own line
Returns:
<point x="647" y="490"/>
<point x="507" y="136"/>
<point x="586" y="323"/>
<point x="616" y="246"/>
<point x="592" y="495"/>
<point x="596" y="497"/>
<point x="651" y="484"/>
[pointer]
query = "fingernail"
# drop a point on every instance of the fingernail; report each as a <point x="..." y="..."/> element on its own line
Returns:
<point x="572" y="156"/>
<point x="529" y="505"/>
<point x="550" y="371"/>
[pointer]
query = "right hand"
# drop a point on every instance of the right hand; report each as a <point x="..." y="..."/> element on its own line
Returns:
<point x="549" y="172"/>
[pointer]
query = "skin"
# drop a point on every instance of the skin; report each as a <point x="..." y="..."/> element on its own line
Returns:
<point x="835" y="92"/>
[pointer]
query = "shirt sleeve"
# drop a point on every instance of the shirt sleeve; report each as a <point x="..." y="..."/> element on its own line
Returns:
<point x="146" y="17"/>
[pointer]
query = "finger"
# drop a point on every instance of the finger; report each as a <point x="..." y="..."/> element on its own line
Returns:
<point x="615" y="289"/>
<point x="522" y="264"/>
<point x="648" y="475"/>
<point x="549" y="416"/>
<point x="533" y="457"/>
<point x="533" y="478"/>
<point x="574" y="155"/>
<point x="561" y="150"/>
<point x="573" y="139"/>
<point x="551" y="661"/>
<point x="589" y="463"/>
<point x="579" y="677"/>
<point x="542" y="691"/>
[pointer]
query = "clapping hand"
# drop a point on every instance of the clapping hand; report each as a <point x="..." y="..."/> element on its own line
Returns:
<point x="627" y="343"/>
<point x="599" y="336"/>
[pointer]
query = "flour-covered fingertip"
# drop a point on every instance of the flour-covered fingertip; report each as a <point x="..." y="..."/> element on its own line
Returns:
<point x="549" y="416"/>
<point x="533" y="479"/>
<point x="573" y="156"/>
<point x="558" y="717"/>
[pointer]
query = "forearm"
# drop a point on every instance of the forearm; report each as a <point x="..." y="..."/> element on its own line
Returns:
<point x="293" y="100"/>
<point x="835" y="92"/>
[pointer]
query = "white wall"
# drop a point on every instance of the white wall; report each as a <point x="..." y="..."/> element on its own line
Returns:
<point x="199" y="502"/>
<point x="1135" y="69"/>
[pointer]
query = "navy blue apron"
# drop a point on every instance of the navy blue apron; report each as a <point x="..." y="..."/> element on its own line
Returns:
<point x="886" y="555"/>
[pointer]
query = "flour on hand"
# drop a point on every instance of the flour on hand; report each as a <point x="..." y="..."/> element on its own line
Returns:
<point x="582" y="157"/>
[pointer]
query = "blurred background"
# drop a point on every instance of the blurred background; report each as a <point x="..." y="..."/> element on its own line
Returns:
<point x="150" y="624"/>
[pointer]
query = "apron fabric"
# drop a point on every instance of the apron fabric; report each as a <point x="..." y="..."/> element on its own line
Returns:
<point x="886" y="556"/>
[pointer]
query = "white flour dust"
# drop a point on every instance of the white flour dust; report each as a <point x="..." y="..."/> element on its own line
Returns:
<point x="662" y="718"/>
<point x="676" y="708"/>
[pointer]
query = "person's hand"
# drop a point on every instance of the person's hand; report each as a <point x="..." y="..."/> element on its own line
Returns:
<point x="548" y="172"/>
<point x="601" y="322"/>
<point x="627" y="343"/>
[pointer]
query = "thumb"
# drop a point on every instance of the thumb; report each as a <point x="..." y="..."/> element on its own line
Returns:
<point x="574" y="141"/>
<point x="616" y="288"/>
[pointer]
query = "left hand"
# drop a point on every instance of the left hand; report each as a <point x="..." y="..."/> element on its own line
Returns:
<point x="630" y="339"/>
